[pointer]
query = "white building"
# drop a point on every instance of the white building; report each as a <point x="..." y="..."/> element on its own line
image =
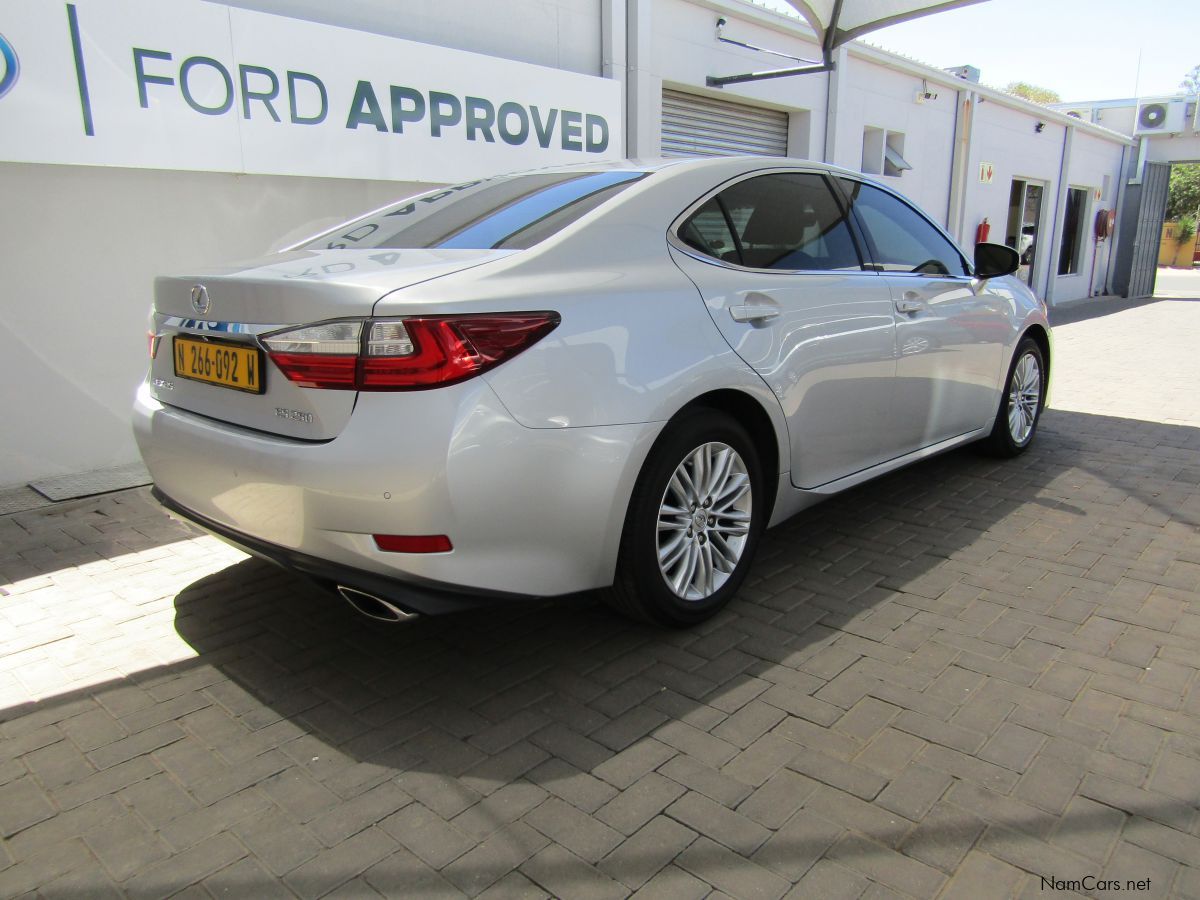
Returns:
<point x="1166" y="130"/>
<point x="142" y="138"/>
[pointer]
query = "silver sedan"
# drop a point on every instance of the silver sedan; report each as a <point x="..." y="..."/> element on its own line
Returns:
<point x="609" y="377"/>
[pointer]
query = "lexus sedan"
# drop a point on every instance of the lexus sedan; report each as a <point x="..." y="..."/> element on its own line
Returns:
<point x="610" y="377"/>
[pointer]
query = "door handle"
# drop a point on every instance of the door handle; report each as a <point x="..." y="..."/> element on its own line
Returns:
<point x="910" y="303"/>
<point x="753" y="313"/>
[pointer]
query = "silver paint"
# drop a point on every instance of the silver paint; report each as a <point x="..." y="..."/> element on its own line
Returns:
<point x="851" y="385"/>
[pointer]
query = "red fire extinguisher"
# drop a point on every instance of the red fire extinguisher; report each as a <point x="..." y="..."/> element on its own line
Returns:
<point x="983" y="232"/>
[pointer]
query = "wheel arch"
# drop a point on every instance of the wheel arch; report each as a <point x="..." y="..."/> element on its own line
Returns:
<point x="750" y="414"/>
<point x="1042" y="337"/>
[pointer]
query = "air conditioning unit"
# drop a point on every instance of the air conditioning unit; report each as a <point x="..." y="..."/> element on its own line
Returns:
<point x="1160" y="117"/>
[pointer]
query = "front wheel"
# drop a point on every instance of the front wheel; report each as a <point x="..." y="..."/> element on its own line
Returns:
<point x="1022" y="402"/>
<point x="693" y="522"/>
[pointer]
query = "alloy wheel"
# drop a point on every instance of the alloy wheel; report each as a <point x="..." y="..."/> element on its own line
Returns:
<point x="704" y="521"/>
<point x="1024" y="398"/>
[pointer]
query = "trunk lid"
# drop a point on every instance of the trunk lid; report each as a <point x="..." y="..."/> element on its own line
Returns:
<point x="234" y="305"/>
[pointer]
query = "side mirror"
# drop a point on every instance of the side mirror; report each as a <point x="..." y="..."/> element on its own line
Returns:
<point x="994" y="260"/>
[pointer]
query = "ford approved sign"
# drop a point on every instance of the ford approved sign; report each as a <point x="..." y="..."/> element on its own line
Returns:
<point x="192" y="85"/>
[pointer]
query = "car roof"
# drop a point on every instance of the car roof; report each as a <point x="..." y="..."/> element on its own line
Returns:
<point x="724" y="165"/>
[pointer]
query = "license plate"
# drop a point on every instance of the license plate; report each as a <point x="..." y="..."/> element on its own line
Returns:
<point x="227" y="365"/>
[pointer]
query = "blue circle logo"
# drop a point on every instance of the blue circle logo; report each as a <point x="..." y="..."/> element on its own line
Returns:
<point x="12" y="66"/>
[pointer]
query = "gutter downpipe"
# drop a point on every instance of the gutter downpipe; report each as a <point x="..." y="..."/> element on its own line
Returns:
<point x="1060" y="212"/>
<point x="614" y="37"/>
<point x="642" y="107"/>
<point x="964" y="116"/>
<point x="1119" y="206"/>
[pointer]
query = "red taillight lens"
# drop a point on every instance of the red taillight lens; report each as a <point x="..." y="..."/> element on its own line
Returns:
<point x="318" y="370"/>
<point x="318" y="356"/>
<point x="413" y="543"/>
<point x="454" y="348"/>
<point x="404" y="354"/>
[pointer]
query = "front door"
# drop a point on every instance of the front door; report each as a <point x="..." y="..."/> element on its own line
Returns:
<point x="779" y="269"/>
<point x="950" y="329"/>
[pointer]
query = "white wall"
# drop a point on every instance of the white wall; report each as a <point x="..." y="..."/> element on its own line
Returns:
<point x="82" y="246"/>
<point x="564" y="34"/>
<point x="873" y="96"/>
<point x="1091" y="160"/>
<point x="1006" y="138"/>
<point x="1178" y="148"/>
<point x="685" y="50"/>
<point x="1117" y="118"/>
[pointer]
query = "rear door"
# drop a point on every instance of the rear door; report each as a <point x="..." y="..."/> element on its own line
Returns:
<point x="950" y="328"/>
<point x="779" y="268"/>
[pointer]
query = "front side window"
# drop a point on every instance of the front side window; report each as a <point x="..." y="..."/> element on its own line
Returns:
<point x="787" y="221"/>
<point x="901" y="239"/>
<point x="510" y="212"/>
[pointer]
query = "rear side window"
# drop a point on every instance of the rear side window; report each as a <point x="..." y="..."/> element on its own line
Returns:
<point x="900" y="238"/>
<point x="786" y="221"/>
<point x="507" y="213"/>
<point x="707" y="230"/>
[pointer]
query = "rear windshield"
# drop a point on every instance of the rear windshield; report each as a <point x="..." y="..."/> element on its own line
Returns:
<point x="511" y="212"/>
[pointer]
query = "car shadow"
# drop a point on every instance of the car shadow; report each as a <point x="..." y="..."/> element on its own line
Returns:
<point x="572" y="682"/>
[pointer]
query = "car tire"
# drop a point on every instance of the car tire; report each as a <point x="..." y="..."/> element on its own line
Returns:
<point x="1021" y="403"/>
<point x="676" y="520"/>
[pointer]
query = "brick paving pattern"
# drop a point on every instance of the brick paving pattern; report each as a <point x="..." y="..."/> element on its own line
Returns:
<point x="950" y="682"/>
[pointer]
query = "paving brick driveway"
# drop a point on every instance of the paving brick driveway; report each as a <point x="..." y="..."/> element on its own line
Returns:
<point x="947" y="683"/>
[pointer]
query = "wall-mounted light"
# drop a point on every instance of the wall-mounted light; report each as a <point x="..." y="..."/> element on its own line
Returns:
<point x="1039" y="127"/>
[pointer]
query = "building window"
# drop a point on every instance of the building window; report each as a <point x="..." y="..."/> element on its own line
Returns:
<point x="1071" y="253"/>
<point x="883" y="152"/>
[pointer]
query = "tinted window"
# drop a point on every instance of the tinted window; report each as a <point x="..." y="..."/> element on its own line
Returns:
<point x="707" y="230"/>
<point x="783" y="221"/>
<point x="510" y="212"/>
<point x="901" y="239"/>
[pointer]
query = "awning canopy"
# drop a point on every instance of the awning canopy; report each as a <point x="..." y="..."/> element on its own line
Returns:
<point x="839" y="21"/>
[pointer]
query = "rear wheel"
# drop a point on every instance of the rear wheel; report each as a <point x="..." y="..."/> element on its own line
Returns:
<point x="1022" y="402"/>
<point x="693" y="522"/>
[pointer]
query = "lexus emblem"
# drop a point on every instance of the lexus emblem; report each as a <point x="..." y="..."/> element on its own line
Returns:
<point x="200" y="301"/>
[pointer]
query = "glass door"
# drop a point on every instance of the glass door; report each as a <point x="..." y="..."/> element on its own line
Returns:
<point x="1024" y="222"/>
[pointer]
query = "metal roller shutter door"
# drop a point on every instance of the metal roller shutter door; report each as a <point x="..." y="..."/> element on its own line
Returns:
<point x="702" y="126"/>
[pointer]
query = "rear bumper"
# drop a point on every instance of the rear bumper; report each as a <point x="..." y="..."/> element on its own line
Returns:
<point x="530" y="511"/>
<point x="426" y="599"/>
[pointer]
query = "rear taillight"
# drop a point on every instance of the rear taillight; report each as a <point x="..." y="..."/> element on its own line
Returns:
<point x="404" y="354"/>
<point x="152" y="336"/>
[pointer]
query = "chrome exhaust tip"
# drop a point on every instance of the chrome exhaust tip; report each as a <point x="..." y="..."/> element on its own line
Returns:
<point x="373" y="607"/>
